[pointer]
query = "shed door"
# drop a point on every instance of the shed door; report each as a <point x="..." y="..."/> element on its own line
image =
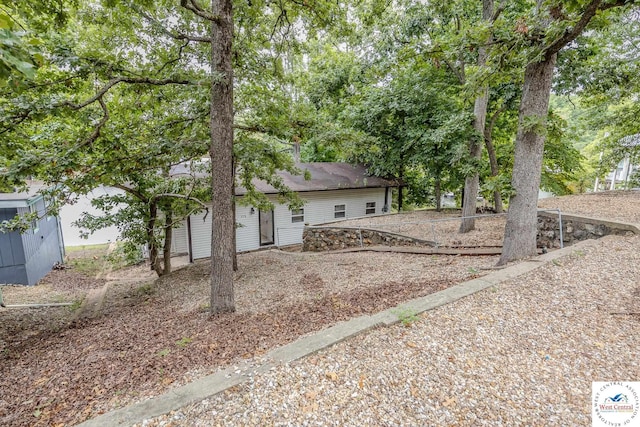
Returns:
<point x="266" y="228"/>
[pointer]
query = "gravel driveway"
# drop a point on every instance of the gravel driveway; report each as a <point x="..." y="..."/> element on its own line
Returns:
<point x="524" y="353"/>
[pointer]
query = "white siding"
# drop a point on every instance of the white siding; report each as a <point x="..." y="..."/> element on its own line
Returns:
<point x="179" y="242"/>
<point x="201" y="235"/>
<point x="319" y="208"/>
<point x="71" y="213"/>
<point x="247" y="231"/>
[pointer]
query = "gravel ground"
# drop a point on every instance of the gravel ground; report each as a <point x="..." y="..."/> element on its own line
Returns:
<point x="439" y="227"/>
<point x="524" y="353"/>
<point x="614" y="205"/>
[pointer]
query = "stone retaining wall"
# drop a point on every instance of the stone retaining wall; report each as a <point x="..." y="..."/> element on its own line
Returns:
<point x="577" y="228"/>
<point x="318" y="239"/>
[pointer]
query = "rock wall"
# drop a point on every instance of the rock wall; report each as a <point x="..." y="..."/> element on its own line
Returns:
<point x="316" y="239"/>
<point x="577" y="228"/>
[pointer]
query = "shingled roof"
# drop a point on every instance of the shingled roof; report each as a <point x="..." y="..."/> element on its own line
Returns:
<point x="324" y="176"/>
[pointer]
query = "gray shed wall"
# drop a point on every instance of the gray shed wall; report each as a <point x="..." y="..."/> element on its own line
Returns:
<point x="28" y="257"/>
<point x="11" y="252"/>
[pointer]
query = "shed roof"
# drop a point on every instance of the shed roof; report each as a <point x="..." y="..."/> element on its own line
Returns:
<point x="22" y="199"/>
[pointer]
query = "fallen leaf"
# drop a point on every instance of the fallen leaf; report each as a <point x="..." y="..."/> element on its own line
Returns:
<point x="40" y="381"/>
<point x="415" y="392"/>
<point x="332" y="376"/>
<point x="361" y="381"/>
<point x="310" y="408"/>
<point x="412" y="344"/>
<point x="450" y="402"/>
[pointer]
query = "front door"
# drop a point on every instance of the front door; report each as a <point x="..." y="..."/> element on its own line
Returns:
<point x="266" y="228"/>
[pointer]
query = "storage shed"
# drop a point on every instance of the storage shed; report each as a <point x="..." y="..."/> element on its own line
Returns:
<point x="27" y="257"/>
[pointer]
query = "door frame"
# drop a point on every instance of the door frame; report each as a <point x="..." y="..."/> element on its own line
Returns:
<point x="260" y="214"/>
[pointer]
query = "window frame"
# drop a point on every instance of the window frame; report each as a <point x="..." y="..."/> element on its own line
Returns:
<point x="368" y="206"/>
<point x="35" y="223"/>
<point x="297" y="215"/>
<point x="340" y="213"/>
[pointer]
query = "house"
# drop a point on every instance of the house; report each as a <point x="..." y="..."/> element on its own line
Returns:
<point x="71" y="212"/>
<point x="26" y="257"/>
<point x="336" y="191"/>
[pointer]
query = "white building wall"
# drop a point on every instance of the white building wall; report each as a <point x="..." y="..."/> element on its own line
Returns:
<point x="70" y="213"/>
<point x="201" y="235"/>
<point x="248" y="228"/>
<point x="319" y="208"/>
<point x="179" y="240"/>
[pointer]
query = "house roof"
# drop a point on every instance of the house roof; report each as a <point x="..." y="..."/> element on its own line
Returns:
<point x="324" y="176"/>
<point x="21" y="199"/>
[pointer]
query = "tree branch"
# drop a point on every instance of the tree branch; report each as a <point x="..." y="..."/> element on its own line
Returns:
<point x="96" y="131"/>
<point x="113" y="82"/>
<point x="131" y="191"/>
<point x="176" y="59"/>
<point x="184" y="197"/>
<point x="257" y="128"/>
<point x="570" y="34"/>
<point x="498" y="11"/>
<point x="164" y="30"/>
<point x="193" y="7"/>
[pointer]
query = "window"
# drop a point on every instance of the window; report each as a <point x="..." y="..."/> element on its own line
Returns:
<point x="371" y="208"/>
<point x="297" y="215"/>
<point x="340" y="211"/>
<point x="34" y="222"/>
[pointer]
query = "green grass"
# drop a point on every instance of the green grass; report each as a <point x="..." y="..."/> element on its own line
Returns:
<point x="90" y="265"/>
<point x="92" y="259"/>
<point x="183" y="342"/>
<point x="72" y="249"/>
<point x="406" y="316"/>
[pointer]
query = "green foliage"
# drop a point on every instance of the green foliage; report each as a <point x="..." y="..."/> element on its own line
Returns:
<point x="406" y="316"/>
<point x="184" y="342"/>
<point x="562" y="162"/>
<point x="76" y="129"/>
<point x="20" y="53"/>
<point x="164" y="352"/>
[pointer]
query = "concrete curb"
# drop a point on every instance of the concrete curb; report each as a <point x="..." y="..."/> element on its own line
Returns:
<point x="227" y="378"/>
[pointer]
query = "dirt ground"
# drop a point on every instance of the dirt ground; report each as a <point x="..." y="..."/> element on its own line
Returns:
<point x="57" y="368"/>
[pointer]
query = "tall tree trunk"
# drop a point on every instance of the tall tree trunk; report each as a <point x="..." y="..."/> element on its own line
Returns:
<point x="493" y="160"/>
<point x="168" y="238"/>
<point x="221" y="151"/>
<point x="233" y="198"/>
<point x="151" y="239"/>
<point x="522" y="218"/>
<point x="438" y="193"/>
<point x="472" y="182"/>
<point x="235" y="245"/>
<point x="401" y="179"/>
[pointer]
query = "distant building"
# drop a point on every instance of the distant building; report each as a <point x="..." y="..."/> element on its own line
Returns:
<point x="26" y="258"/>
<point x="624" y="169"/>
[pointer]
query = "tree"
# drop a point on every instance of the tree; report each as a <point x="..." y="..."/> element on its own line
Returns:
<point x="415" y="129"/>
<point x="552" y="31"/>
<point x="472" y="181"/>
